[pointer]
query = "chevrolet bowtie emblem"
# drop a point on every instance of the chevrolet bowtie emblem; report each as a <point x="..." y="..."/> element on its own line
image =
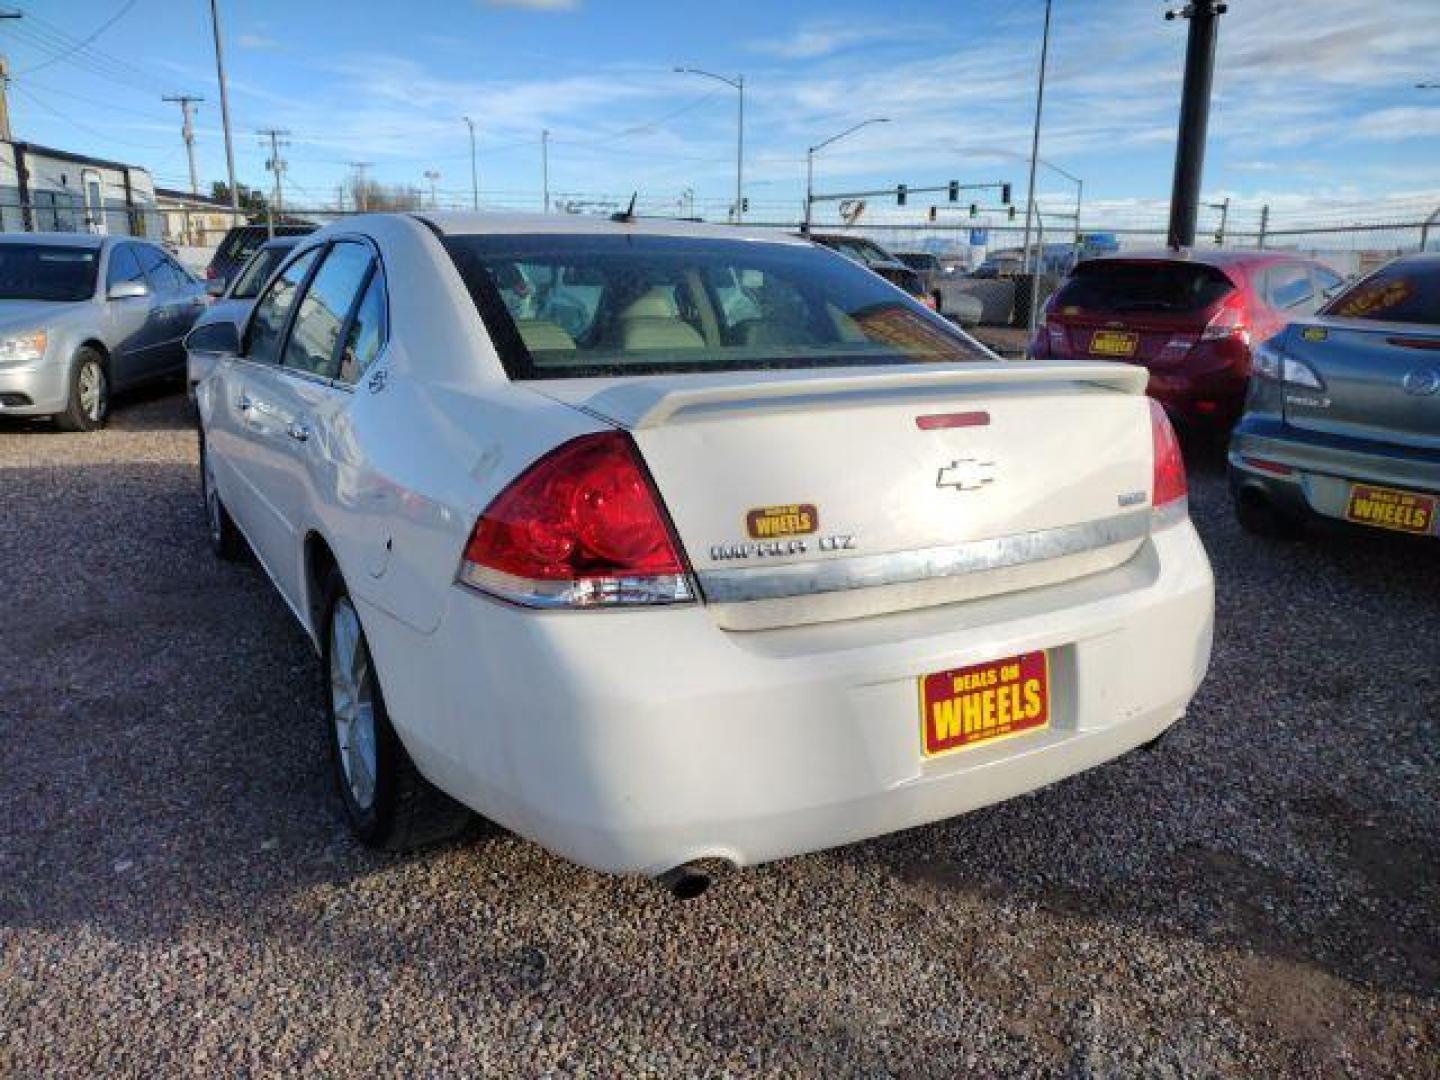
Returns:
<point x="966" y="474"/>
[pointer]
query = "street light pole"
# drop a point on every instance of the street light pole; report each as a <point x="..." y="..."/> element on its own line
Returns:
<point x="1194" y="117"/>
<point x="1035" y="137"/>
<point x="810" y="162"/>
<point x="739" y="84"/>
<point x="474" y="169"/>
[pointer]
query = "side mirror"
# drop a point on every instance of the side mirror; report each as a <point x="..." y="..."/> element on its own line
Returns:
<point x="216" y="337"/>
<point x="216" y="288"/>
<point x="128" y="290"/>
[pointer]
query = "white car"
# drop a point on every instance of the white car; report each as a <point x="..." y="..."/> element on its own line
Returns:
<point x="661" y="543"/>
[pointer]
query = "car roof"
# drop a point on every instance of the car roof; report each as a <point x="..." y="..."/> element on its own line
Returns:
<point x="473" y="223"/>
<point x="57" y="239"/>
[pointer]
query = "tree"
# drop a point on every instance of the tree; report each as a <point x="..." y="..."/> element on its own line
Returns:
<point x="252" y="200"/>
<point x="365" y="194"/>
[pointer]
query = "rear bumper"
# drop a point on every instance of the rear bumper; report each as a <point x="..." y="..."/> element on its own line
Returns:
<point x="1211" y="400"/>
<point x="1321" y="468"/>
<point x="636" y="741"/>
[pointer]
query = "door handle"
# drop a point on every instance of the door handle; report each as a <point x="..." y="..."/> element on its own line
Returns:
<point x="298" y="431"/>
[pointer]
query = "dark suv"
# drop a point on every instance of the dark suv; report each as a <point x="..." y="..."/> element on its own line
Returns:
<point x="238" y="245"/>
<point x="875" y="258"/>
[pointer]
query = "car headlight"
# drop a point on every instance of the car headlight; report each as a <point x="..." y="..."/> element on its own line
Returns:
<point x="21" y="348"/>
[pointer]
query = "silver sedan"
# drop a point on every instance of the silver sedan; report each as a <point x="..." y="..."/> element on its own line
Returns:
<point x="82" y="316"/>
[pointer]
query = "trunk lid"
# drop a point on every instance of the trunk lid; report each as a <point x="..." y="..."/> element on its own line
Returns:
<point x="1381" y="380"/>
<point x="811" y="496"/>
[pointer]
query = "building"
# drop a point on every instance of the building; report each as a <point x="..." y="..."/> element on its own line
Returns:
<point x="47" y="190"/>
<point x="193" y="221"/>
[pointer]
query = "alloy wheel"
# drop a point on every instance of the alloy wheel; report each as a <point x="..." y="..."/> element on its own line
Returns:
<point x="352" y="705"/>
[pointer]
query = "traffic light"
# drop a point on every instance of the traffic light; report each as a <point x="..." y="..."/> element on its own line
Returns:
<point x="974" y="210"/>
<point x="954" y="190"/>
<point x="1012" y="211"/>
<point x="745" y="205"/>
<point x="1005" y="195"/>
<point x="900" y="193"/>
<point x="932" y="213"/>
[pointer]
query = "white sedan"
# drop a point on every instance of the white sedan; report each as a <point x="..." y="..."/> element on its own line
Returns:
<point x="661" y="543"/>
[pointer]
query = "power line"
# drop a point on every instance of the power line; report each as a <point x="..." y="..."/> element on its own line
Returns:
<point x="125" y="7"/>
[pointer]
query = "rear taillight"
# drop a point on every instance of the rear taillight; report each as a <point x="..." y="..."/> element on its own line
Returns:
<point x="1169" y="488"/>
<point x="1270" y="362"/>
<point x="1228" y="322"/>
<point x="210" y="274"/>
<point x="1055" y="333"/>
<point x="581" y="527"/>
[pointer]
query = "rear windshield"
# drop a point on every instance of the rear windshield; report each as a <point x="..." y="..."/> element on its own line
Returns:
<point x="243" y="241"/>
<point x="918" y="262"/>
<point x="567" y="306"/>
<point x="1401" y="292"/>
<point x="47" y="272"/>
<point x="1168" y="287"/>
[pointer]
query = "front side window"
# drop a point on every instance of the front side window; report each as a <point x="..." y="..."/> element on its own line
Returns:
<point x="47" y="272"/>
<point x="273" y="308"/>
<point x="123" y="266"/>
<point x="1404" y="292"/>
<point x="257" y="271"/>
<point x="324" y="308"/>
<point x="165" y="276"/>
<point x="561" y="306"/>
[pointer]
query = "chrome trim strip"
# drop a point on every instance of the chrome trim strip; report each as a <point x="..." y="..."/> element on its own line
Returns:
<point x="901" y="567"/>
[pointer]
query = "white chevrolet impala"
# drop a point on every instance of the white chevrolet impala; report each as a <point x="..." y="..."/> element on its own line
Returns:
<point x="662" y="543"/>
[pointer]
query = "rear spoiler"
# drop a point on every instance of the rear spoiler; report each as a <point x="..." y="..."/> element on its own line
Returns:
<point x="643" y="404"/>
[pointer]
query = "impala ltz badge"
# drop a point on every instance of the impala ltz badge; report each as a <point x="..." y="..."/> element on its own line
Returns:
<point x="966" y="474"/>
<point x="776" y="531"/>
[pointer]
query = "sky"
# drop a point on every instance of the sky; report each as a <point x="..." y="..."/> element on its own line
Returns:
<point x="1316" y="112"/>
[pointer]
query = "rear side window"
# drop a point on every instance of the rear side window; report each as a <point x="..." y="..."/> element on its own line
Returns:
<point x="257" y="271"/>
<point x="1162" y="287"/>
<point x="1286" y="287"/>
<point x="1406" y="292"/>
<point x="561" y="306"/>
<point x="366" y="332"/>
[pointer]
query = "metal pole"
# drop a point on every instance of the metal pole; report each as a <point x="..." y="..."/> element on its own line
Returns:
<point x="224" y="110"/>
<point x="1425" y="228"/>
<point x="740" y="157"/>
<point x="474" y="169"/>
<point x="1265" y="223"/>
<point x="1079" y="200"/>
<point x="809" y="189"/>
<point x="1194" y="118"/>
<point x="1035" y="136"/>
<point x="1035" y="277"/>
<point x="545" y="166"/>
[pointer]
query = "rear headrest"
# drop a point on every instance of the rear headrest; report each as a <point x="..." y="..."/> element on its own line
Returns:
<point x="657" y="303"/>
<point x="540" y="335"/>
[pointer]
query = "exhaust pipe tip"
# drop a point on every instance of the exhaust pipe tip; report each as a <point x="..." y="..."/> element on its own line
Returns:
<point x="691" y="880"/>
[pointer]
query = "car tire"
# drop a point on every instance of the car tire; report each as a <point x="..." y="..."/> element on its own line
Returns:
<point x="87" y="403"/>
<point x="225" y="539"/>
<point x="387" y="802"/>
<point x="1258" y="517"/>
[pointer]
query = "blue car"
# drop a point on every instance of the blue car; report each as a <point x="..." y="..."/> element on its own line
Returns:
<point x="1342" y="414"/>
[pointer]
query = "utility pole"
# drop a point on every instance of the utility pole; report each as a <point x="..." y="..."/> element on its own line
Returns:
<point x="187" y="132"/>
<point x="275" y="164"/>
<point x="1035" y="140"/>
<point x="545" y="167"/>
<point x="432" y="176"/>
<point x="1264" y="222"/>
<point x="1194" y="117"/>
<point x="362" y="191"/>
<point x="474" y="169"/>
<point x="5" y="83"/>
<point x="225" y="112"/>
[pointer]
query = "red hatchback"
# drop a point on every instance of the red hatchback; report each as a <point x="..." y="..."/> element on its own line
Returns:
<point x="1189" y="317"/>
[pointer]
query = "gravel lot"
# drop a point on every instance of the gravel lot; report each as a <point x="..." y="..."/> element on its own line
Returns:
<point x="1259" y="896"/>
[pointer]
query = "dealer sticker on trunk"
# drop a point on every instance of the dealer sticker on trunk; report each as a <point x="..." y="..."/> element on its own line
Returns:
<point x="769" y="522"/>
<point x="965" y="706"/>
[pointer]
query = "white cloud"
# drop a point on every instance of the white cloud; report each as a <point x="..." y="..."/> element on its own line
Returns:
<point x="815" y="40"/>
<point x="256" y="41"/>
<point x="535" y="5"/>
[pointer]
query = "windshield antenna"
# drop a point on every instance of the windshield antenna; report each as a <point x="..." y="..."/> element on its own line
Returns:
<point x="628" y="214"/>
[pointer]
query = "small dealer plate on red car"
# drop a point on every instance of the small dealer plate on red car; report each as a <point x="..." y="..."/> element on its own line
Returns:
<point x="982" y="702"/>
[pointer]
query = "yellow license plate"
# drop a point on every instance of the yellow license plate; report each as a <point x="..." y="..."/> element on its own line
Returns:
<point x="1386" y="508"/>
<point x="1113" y="343"/>
<point x="970" y="705"/>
